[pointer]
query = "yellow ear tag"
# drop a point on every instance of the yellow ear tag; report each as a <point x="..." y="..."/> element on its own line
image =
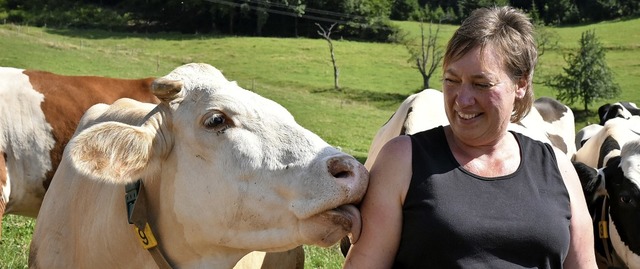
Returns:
<point x="146" y="236"/>
<point x="603" y="229"/>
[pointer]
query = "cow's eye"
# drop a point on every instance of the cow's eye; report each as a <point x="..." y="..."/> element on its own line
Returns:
<point x="624" y="199"/>
<point x="217" y="122"/>
<point x="214" y="121"/>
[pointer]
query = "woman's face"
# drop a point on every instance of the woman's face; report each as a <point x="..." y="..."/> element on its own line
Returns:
<point x="479" y="96"/>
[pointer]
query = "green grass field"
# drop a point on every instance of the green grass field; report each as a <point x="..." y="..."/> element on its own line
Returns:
<point x="294" y="72"/>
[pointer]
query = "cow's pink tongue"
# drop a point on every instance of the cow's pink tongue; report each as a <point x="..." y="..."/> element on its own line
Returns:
<point x="356" y="222"/>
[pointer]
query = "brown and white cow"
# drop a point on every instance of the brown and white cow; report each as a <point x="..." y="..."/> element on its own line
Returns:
<point x="609" y="168"/>
<point x="39" y="111"/>
<point x="225" y="171"/>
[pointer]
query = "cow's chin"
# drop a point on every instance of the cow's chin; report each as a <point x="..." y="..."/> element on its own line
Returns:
<point x="327" y="228"/>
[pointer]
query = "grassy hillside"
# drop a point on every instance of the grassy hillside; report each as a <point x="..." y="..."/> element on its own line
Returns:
<point x="297" y="73"/>
<point x="620" y="38"/>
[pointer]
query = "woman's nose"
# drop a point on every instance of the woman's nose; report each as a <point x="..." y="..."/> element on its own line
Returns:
<point x="465" y="96"/>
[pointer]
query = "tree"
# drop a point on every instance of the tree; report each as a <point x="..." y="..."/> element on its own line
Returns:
<point x="428" y="55"/>
<point x="402" y="9"/>
<point x="560" y="11"/>
<point x="465" y="7"/>
<point x="297" y="7"/>
<point x="587" y="78"/>
<point x="326" y="34"/>
<point x="546" y="38"/>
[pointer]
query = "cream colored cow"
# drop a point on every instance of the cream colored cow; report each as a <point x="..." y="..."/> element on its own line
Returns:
<point x="292" y="259"/>
<point x="224" y="171"/>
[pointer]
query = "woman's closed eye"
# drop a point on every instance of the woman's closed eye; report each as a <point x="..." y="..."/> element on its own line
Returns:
<point x="483" y="85"/>
<point x="451" y="81"/>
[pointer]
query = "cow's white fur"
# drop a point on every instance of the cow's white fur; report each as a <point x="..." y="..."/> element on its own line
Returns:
<point x="630" y="259"/>
<point x="630" y="160"/>
<point x="214" y="193"/>
<point x="25" y="136"/>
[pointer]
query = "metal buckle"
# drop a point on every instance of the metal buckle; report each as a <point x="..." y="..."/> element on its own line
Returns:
<point x="130" y="197"/>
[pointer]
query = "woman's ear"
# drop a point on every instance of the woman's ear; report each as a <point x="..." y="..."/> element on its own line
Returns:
<point x="521" y="87"/>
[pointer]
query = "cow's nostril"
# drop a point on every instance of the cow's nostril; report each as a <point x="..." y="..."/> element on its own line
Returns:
<point x="340" y="169"/>
<point x="343" y="174"/>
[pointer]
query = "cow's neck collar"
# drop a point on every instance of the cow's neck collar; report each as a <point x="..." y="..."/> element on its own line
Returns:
<point x="601" y="217"/>
<point x="137" y="215"/>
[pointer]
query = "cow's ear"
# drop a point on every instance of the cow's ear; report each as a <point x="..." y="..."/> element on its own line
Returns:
<point x="166" y="89"/>
<point x="613" y="162"/>
<point x="613" y="173"/>
<point x="590" y="181"/>
<point x="115" y="152"/>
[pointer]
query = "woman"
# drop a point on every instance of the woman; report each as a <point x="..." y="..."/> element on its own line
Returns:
<point x="473" y="194"/>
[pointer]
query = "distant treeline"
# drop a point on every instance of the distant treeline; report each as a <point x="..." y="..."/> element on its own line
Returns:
<point x="356" y="19"/>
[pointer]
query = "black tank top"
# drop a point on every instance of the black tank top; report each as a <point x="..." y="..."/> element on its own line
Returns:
<point x="455" y="219"/>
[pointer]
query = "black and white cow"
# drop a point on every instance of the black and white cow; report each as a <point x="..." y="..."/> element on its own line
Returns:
<point x="606" y="143"/>
<point x="584" y="134"/>
<point x="558" y="122"/>
<point x="617" y="110"/>
<point x="587" y="132"/>
<point x="609" y="169"/>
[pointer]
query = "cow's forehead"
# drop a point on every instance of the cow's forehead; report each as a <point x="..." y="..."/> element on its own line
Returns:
<point x="196" y="75"/>
<point x="237" y="102"/>
<point x="630" y="161"/>
<point x="205" y="85"/>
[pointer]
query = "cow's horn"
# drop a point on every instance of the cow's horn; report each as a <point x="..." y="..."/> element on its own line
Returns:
<point x="166" y="89"/>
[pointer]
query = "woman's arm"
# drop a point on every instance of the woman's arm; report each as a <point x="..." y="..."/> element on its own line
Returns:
<point x="581" y="249"/>
<point x="381" y="207"/>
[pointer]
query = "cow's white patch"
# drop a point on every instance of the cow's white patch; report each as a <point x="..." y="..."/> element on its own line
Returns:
<point x="631" y="259"/>
<point x="634" y="124"/>
<point x="25" y="136"/>
<point x="630" y="161"/>
<point x="6" y="189"/>
<point x="586" y="133"/>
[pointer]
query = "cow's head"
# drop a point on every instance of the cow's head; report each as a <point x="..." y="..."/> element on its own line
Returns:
<point x="622" y="181"/>
<point x="623" y="110"/>
<point x="226" y="167"/>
